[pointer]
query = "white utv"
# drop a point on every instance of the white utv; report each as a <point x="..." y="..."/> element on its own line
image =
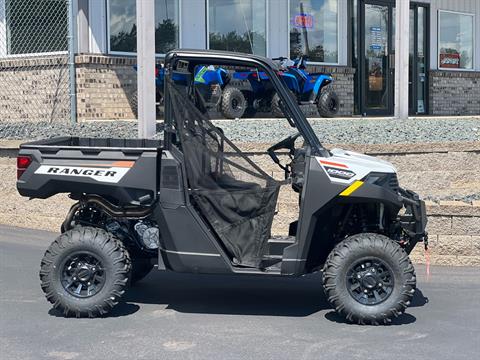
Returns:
<point x="195" y="203"/>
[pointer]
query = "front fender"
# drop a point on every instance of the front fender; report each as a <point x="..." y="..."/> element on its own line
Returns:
<point x="371" y="193"/>
<point x="322" y="81"/>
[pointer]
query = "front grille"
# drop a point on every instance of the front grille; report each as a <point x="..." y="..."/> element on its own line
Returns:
<point x="389" y="181"/>
<point x="393" y="182"/>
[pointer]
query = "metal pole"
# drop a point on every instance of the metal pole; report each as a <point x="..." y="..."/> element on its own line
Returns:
<point x="146" y="68"/>
<point x="71" y="60"/>
<point x="402" y="39"/>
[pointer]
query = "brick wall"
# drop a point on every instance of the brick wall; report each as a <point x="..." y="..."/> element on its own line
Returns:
<point x="454" y="92"/>
<point x="343" y="86"/>
<point x="454" y="234"/>
<point x="35" y="88"/>
<point x="106" y="87"/>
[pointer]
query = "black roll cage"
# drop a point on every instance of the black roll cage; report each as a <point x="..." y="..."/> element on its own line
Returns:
<point x="238" y="59"/>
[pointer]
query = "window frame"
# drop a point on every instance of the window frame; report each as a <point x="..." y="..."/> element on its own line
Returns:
<point x="338" y="38"/>
<point x="267" y="25"/>
<point x="128" y="53"/>
<point x="3" y="40"/>
<point x="438" y="39"/>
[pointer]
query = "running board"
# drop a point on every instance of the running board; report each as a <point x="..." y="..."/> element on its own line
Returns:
<point x="276" y="245"/>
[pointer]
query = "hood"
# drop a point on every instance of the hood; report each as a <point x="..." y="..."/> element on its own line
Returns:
<point x="347" y="166"/>
<point x="366" y="160"/>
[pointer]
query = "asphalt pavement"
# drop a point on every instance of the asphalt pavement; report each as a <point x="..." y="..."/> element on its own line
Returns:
<point x="183" y="316"/>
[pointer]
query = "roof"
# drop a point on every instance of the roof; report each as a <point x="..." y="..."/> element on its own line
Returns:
<point x="219" y="56"/>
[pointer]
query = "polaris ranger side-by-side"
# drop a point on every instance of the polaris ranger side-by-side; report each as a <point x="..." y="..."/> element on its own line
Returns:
<point x="196" y="203"/>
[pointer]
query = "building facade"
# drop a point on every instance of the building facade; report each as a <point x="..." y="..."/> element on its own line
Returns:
<point x="352" y="39"/>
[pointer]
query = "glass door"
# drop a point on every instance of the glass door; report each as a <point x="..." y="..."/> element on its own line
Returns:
<point x="376" y="60"/>
<point x="419" y="55"/>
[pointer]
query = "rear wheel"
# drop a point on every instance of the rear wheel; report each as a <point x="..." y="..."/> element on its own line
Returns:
<point x="369" y="279"/>
<point x="85" y="272"/>
<point x="233" y="104"/>
<point x="328" y="103"/>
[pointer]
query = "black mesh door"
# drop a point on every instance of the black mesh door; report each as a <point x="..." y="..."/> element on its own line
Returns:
<point x="232" y="193"/>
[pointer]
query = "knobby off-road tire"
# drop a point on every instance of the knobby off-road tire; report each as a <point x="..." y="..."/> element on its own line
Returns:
<point x="328" y="103"/>
<point x="92" y="258"/>
<point x="233" y="104"/>
<point x="347" y="284"/>
<point x="276" y="109"/>
<point x="141" y="267"/>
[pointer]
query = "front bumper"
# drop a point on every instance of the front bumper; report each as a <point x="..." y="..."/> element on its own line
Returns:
<point x="414" y="219"/>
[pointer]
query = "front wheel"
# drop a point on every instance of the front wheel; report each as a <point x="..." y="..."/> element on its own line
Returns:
<point x="276" y="108"/>
<point x="85" y="272"/>
<point x="328" y="103"/>
<point x="369" y="279"/>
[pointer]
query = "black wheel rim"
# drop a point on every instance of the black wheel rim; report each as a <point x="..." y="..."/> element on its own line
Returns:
<point x="235" y="104"/>
<point x="333" y="105"/>
<point x="82" y="275"/>
<point x="370" y="281"/>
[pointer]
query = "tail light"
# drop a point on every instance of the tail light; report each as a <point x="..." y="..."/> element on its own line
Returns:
<point x="23" y="162"/>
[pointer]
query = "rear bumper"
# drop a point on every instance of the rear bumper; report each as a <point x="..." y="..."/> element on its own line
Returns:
<point x="414" y="220"/>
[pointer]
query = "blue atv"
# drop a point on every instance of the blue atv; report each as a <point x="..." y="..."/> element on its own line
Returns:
<point x="217" y="91"/>
<point x="307" y="88"/>
<point x="213" y="91"/>
<point x="256" y="89"/>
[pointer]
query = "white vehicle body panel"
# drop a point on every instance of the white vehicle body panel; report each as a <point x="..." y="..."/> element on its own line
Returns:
<point x="348" y="166"/>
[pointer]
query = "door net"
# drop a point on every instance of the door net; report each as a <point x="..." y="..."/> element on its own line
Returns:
<point x="233" y="194"/>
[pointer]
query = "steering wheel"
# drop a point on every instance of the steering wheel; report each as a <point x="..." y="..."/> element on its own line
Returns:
<point x="289" y="144"/>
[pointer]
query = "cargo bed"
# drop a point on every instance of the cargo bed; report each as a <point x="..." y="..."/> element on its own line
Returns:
<point x="123" y="169"/>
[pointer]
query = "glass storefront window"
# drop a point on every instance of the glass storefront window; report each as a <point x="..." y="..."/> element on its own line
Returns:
<point x="237" y="25"/>
<point x="455" y="40"/>
<point x="123" y="28"/>
<point x="314" y="30"/>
